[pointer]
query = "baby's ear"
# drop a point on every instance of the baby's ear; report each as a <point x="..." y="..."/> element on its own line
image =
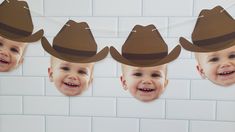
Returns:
<point x="123" y="81"/>
<point x="50" y="74"/>
<point x="201" y="71"/>
<point x="166" y="83"/>
<point x="21" y="60"/>
<point x="91" y="80"/>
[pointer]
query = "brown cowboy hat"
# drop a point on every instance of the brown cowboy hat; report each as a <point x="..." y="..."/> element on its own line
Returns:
<point x="75" y="43"/>
<point x="16" y="22"/>
<point x="144" y="48"/>
<point x="214" y="30"/>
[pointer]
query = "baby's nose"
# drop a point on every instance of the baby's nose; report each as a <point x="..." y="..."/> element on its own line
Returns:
<point x="146" y="81"/>
<point x="226" y="64"/>
<point x="72" y="77"/>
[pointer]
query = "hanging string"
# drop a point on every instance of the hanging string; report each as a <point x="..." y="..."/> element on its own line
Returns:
<point x="227" y="7"/>
<point x="124" y="31"/>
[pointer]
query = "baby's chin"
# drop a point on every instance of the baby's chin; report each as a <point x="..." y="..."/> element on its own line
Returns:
<point x="6" y="68"/>
<point x="225" y="84"/>
<point x="67" y="91"/>
<point x="146" y="98"/>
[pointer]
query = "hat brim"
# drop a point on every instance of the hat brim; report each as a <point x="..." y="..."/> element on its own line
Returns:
<point x="194" y="48"/>
<point x="170" y="57"/>
<point x="71" y="58"/>
<point x="32" y="38"/>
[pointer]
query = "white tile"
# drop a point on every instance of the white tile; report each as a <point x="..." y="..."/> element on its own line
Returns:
<point x="135" y="108"/>
<point x="50" y="25"/>
<point x="46" y="105"/>
<point x="211" y="126"/>
<point x="181" y="27"/>
<point x="36" y="66"/>
<point x="92" y="106"/>
<point x="115" y="125"/>
<point x="202" y="4"/>
<point x="100" y="26"/>
<point x="109" y="87"/>
<point x="21" y="86"/>
<point x="190" y="109"/>
<point x="116" y="42"/>
<point x="204" y="89"/>
<point x="183" y="69"/>
<point x="177" y="89"/>
<point x="21" y="123"/>
<point x="225" y="111"/>
<point x="68" y="124"/>
<point x="167" y="7"/>
<point x="172" y="43"/>
<point x="14" y="72"/>
<point x="105" y="68"/>
<point x="10" y="105"/>
<point x="126" y="24"/>
<point x="36" y="7"/>
<point x="51" y="90"/>
<point x="152" y="125"/>
<point x="68" y="7"/>
<point x="117" y="7"/>
<point x="34" y="49"/>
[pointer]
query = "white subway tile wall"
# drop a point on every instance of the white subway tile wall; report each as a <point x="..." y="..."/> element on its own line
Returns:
<point x="29" y="102"/>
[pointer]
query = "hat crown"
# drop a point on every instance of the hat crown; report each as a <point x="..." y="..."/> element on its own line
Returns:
<point x="75" y="36"/>
<point x="144" y="40"/>
<point x="12" y="11"/>
<point x="213" y="23"/>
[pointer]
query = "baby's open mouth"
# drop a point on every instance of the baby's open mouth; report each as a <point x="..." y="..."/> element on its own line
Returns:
<point x="147" y="90"/>
<point x="226" y="73"/>
<point x="71" y="85"/>
<point x="3" y="61"/>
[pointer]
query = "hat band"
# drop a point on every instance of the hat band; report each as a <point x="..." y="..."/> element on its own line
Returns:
<point x="144" y="56"/>
<point x="216" y="40"/>
<point x="74" y="52"/>
<point x="14" y="30"/>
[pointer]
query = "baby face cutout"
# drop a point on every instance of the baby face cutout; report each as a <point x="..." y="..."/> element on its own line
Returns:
<point x="218" y="67"/>
<point x="11" y="54"/>
<point x="71" y="79"/>
<point x="144" y="83"/>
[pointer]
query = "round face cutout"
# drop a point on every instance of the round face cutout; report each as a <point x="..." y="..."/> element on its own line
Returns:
<point x="70" y="79"/>
<point x="11" y="54"/>
<point x="144" y="83"/>
<point x="218" y="67"/>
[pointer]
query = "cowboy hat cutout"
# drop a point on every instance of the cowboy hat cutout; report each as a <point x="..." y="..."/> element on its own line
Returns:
<point x="145" y="47"/>
<point x="214" y="30"/>
<point x="16" y="22"/>
<point x="75" y="43"/>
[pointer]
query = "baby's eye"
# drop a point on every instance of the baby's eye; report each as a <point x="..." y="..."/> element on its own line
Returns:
<point x="214" y="59"/>
<point x="137" y="74"/>
<point x="82" y="72"/>
<point x="156" y="75"/>
<point x="1" y="44"/>
<point x="65" y="68"/>
<point x="14" y="50"/>
<point x="232" y="56"/>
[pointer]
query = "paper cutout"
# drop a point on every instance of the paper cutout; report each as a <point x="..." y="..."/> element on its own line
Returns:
<point x="145" y="47"/>
<point x="16" y="22"/>
<point x="214" y="31"/>
<point x="75" y="43"/>
<point x="74" y="50"/>
<point x="214" y="46"/>
<point x="144" y="54"/>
